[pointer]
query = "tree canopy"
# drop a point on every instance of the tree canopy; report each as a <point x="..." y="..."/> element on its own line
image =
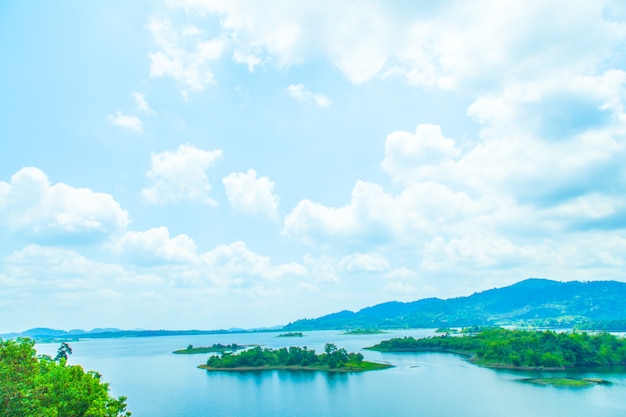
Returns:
<point x="39" y="386"/>
<point x="520" y="348"/>
<point x="333" y="358"/>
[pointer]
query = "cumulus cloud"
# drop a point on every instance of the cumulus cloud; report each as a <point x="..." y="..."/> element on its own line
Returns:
<point x="180" y="175"/>
<point x="142" y="104"/>
<point x="51" y="266"/>
<point x="364" y="262"/>
<point x="249" y="194"/>
<point x="376" y="217"/>
<point x="235" y="265"/>
<point x="57" y="213"/>
<point x="154" y="246"/>
<point x="131" y="123"/>
<point x="411" y="157"/>
<point x="449" y="44"/>
<point x="183" y="55"/>
<point x="301" y="94"/>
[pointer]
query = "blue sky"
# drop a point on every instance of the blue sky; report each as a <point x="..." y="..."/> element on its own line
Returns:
<point x="209" y="164"/>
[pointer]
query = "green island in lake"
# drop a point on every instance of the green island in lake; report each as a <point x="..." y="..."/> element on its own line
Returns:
<point x="363" y="331"/>
<point x="566" y="382"/>
<point x="291" y="334"/>
<point x="521" y="349"/>
<point x="216" y="348"/>
<point x="293" y="358"/>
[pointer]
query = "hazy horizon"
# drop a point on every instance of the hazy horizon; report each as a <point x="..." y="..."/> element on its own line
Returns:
<point x="197" y="164"/>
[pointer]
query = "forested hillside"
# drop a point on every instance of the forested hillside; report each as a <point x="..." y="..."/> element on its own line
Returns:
<point x="538" y="302"/>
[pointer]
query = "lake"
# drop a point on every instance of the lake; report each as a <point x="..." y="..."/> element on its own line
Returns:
<point x="161" y="384"/>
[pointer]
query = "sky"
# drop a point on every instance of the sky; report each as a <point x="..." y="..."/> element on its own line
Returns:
<point x="201" y="164"/>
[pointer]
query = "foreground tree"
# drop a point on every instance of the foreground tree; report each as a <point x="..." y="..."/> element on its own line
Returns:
<point x="38" y="386"/>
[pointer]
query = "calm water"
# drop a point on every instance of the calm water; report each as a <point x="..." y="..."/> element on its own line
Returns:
<point x="160" y="384"/>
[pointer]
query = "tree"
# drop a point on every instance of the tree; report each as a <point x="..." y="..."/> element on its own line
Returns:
<point x="38" y="386"/>
<point x="63" y="353"/>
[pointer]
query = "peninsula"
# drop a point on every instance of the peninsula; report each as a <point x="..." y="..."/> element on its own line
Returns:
<point x="520" y="349"/>
<point x="293" y="358"/>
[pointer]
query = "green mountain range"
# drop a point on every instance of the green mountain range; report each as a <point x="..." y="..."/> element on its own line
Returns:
<point x="532" y="302"/>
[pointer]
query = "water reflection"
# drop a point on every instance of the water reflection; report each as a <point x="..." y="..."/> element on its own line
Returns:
<point x="159" y="384"/>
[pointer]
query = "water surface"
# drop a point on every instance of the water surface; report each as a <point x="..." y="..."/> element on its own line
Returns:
<point x="161" y="384"/>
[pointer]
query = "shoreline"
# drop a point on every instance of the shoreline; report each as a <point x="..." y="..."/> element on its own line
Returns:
<point x="370" y="366"/>
<point x="471" y="357"/>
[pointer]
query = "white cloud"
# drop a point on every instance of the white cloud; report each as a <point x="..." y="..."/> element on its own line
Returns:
<point x="183" y="55"/>
<point x="55" y="267"/>
<point x="155" y="246"/>
<point x="375" y="217"/>
<point x="300" y="93"/>
<point x="410" y="157"/>
<point x="448" y="44"/>
<point x="237" y="266"/>
<point x="33" y="208"/>
<point x="322" y="269"/>
<point x="249" y="194"/>
<point x="130" y="123"/>
<point x="142" y="104"/>
<point x="364" y="262"/>
<point x="180" y="175"/>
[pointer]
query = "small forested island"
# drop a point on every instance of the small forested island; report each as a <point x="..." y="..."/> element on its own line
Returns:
<point x="291" y="334"/>
<point x="363" y="331"/>
<point x="520" y="349"/>
<point x="447" y="330"/>
<point x="566" y="382"/>
<point x="215" y="348"/>
<point x="293" y="358"/>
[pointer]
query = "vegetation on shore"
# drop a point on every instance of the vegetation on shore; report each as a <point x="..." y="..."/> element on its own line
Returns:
<point x="447" y="330"/>
<point x="291" y="334"/>
<point x="521" y="348"/>
<point x="363" y="331"/>
<point x="40" y="386"/>
<point x="215" y="348"/>
<point x="294" y="358"/>
<point x="566" y="382"/>
<point x="606" y="326"/>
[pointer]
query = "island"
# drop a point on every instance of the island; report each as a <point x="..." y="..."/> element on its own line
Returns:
<point x="291" y="334"/>
<point x="566" y="382"/>
<point x="363" y="331"/>
<point x="293" y="358"/>
<point x="215" y="348"/>
<point x="520" y="349"/>
<point x="447" y="330"/>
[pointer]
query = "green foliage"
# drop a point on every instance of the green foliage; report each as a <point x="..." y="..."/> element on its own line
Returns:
<point x="63" y="353"/>
<point x="536" y="302"/>
<point x="606" y="325"/>
<point x="520" y="348"/>
<point x="363" y="331"/>
<point x="333" y="358"/>
<point x="217" y="347"/>
<point x="32" y="386"/>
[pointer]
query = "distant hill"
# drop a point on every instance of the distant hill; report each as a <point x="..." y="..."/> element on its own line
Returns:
<point x="45" y="334"/>
<point x="537" y="302"/>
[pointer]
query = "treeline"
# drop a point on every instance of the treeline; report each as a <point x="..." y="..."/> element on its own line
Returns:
<point x="40" y="386"/>
<point x="606" y="325"/>
<point x="295" y="356"/>
<point x="520" y="348"/>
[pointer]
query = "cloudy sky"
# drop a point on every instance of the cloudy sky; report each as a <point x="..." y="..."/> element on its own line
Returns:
<point x="243" y="163"/>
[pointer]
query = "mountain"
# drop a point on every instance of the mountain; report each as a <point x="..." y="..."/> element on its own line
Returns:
<point x="42" y="333"/>
<point x="534" y="301"/>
